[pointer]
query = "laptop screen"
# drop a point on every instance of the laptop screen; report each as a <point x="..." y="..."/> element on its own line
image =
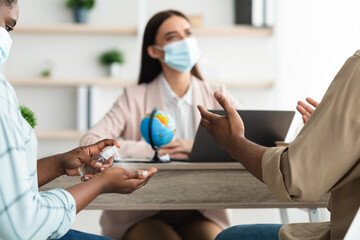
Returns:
<point x="261" y="127"/>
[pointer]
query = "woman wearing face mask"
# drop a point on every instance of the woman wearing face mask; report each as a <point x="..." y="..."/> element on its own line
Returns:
<point x="169" y="79"/>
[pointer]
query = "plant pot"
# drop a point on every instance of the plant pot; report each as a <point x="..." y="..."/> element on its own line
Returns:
<point x="114" y="70"/>
<point x="81" y="14"/>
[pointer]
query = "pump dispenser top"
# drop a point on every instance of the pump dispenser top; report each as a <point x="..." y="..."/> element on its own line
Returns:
<point x="109" y="152"/>
<point x="102" y="157"/>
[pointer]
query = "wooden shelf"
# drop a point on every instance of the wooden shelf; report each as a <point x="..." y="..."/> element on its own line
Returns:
<point x="110" y="82"/>
<point x="49" y="82"/>
<point x="74" y="29"/>
<point x="254" y="84"/>
<point x="236" y="30"/>
<point x="59" y="134"/>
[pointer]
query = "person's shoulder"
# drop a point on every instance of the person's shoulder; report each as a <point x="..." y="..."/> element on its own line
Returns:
<point x="135" y="92"/>
<point x="142" y="88"/>
<point x="134" y="95"/>
<point x="136" y="88"/>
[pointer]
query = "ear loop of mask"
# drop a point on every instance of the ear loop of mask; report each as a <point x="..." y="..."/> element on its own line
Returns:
<point x="159" y="48"/>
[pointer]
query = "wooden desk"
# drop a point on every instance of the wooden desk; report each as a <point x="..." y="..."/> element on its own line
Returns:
<point x="179" y="185"/>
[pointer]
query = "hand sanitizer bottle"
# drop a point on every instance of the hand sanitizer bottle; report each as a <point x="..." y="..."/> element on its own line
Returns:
<point x="102" y="157"/>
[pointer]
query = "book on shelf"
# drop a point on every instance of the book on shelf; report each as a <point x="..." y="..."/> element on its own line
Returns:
<point x="82" y="108"/>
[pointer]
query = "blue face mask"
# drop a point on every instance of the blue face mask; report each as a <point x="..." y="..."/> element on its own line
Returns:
<point x="181" y="55"/>
<point x="5" y="45"/>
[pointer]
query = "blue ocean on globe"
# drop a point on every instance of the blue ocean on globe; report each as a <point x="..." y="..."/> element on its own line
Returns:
<point x="162" y="130"/>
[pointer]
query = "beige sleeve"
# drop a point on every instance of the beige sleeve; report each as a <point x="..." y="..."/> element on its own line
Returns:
<point x="327" y="147"/>
<point x="113" y="125"/>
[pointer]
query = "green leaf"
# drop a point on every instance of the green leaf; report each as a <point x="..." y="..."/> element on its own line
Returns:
<point x="111" y="56"/>
<point x="88" y="4"/>
<point x="28" y="115"/>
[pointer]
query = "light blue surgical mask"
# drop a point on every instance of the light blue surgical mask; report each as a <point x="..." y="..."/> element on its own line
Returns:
<point x="5" y="45"/>
<point x="181" y="55"/>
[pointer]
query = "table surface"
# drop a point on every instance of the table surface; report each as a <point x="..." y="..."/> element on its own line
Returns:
<point x="183" y="185"/>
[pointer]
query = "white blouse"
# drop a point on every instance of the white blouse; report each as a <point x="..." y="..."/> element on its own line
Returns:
<point x="181" y="110"/>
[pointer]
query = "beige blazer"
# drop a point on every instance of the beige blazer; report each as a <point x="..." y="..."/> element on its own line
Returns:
<point x="323" y="158"/>
<point x="123" y="121"/>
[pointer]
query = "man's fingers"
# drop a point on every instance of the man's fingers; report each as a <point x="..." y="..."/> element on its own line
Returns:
<point x="305" y="118"/>
<point x="312" y="102"/>
<point x="305" y="108"/>
<point x="205" y="123"/>
<point x="230" y="110"/>
<point x="205" y="114"/>
<point x="301" y="109"/>
<point x="309" y="109"/>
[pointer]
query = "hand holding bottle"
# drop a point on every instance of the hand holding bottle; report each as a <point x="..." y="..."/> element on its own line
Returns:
<point x="100" y="159"/>
<point x="70" y="161"/>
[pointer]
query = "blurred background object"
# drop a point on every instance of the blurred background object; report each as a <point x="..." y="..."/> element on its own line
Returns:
<point x="196" y="21"/>
<point x="81" y="9"/>
<point x="112" y="59"/>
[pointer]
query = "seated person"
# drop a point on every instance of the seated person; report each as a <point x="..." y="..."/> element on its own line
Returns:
<point x="26" y="213"/>
<point x="324" y="157"/>
<point x="169" y="79"/>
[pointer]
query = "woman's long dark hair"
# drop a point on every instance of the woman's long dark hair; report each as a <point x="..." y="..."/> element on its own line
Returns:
<point x="151" y="68"/>
<point x="9" y="3"/>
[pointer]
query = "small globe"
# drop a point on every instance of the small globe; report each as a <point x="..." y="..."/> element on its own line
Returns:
<point x="162" y="128"/>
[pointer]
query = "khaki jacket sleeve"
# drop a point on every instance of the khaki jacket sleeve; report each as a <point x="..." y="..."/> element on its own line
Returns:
<point x="326" y="149"/>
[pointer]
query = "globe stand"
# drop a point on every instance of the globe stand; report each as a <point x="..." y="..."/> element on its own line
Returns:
<point x="156" y="158"/>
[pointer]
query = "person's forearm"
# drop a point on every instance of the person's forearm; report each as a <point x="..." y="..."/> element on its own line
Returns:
<point x="85" y="192"/>
<point x="48" y="169"/>
<point x="250" y="155"/>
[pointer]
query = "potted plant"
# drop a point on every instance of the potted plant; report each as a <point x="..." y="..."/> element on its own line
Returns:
<point x="46" y="73"/>
<point x="112" y="59"/>
<point x="28" y="115"/>
<point x="81" y="9"/>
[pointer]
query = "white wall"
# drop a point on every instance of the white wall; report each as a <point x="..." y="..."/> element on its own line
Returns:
<point x="314" y="38"/>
